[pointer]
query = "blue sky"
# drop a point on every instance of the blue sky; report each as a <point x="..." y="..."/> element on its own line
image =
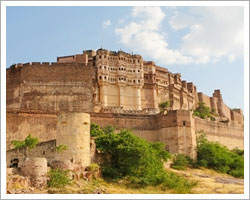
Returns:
<point x="204" y="44"/>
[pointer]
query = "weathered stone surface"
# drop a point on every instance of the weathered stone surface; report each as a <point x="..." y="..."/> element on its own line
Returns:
<point x="117" y="89"/>
<point x="73" y="130"/>
<point x="36" y="170"/>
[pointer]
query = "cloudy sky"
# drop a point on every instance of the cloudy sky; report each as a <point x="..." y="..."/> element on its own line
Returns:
<point x="204" y="44"/>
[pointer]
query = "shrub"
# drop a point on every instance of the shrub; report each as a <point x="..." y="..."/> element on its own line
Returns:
<point x="164" y="105"/>
<point x="132" y="156"/>
<point x="138" y="161"/>
<point x="58" y="178"/>
<point x="204" y="111"/>
<point x="180" y="162"/>
<point x="93" y="167"/>
<point x="29" y="143"/>
<point x="61" y="148"/>
<point x="95" y="130"/>
<point x="238" y="151"/>
<point x="220" y="158"/>
<point x="178" y="183"/>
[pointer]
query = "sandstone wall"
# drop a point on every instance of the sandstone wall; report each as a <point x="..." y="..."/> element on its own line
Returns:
<point x="226" y="110"/>
<point x="204" y="98"/>
<point x="237" y="117"/>
<point x="140" y="122"/>
<point x="20" y="125"/>
<point x="231" y="135"/>
<point x="177" y="131"/>
<point x="43" y="149"/>
<point x="50" y="87"/>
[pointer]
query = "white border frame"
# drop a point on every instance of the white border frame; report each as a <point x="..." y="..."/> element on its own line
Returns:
<point x="4" y="4"/>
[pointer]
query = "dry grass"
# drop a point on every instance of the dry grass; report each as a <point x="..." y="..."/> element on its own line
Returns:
<point x="206" y="179"/>
<point x="207" y="183"/>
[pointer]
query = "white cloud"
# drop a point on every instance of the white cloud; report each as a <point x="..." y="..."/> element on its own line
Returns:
<point x="212" y="33"/>
<point x="216" y="32"/>
<point x="145" y="36"/>
<point x="106" y="23"/>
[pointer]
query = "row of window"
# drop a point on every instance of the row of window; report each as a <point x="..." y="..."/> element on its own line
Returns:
<point x="120" y="58"/>
<point x="120" y="79"/>
<point x="120" y="68"/>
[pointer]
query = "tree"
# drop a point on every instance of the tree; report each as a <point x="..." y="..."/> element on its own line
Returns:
<point x="28" y="144"/>
<point x="132" y="157"/>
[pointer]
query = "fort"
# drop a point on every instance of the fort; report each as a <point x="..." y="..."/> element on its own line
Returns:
<point x="118" y="89"/>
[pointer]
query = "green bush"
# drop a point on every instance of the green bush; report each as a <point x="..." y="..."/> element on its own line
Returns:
<point x="132" y="156"/>
<point x="93" y="167"/>
<point x="204" y="112"/>
<point x="180" y="162"/>
<point x="61" y="148"/>
<point x="164" y="105"/>
<point x="28" y="143"/>
<point x="138" y="161"/>
<point x="95" y="130"/>
<point x="238" y="151"/>
<point x="58" y="178"/>
<point x="215" y="156"/>
<point x="178" y="183"/>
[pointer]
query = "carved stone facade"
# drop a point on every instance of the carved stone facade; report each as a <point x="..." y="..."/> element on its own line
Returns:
<point x="119" y="89"/>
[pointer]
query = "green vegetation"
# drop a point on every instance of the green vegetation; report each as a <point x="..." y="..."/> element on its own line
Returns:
<point x="238" y="151"/>
<point x="61" y="148"/>
<point x="29" y="143"/>
<point x="58" y="178"/>
<point x="215" y="156"/>
<point x="181" y="162"/>
<point x="132" y="157"/>
<point x="164" y="105"/>
<point x="93" y="167"/>
<point x="204" y="112"/>
<point x="136" y="161"/>
<point x="95" y="130"/>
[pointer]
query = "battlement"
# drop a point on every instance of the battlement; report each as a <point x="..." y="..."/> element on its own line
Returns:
<point x="115" y="80"/>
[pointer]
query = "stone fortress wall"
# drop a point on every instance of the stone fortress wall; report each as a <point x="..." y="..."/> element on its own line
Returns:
<point x="115" y="88"/>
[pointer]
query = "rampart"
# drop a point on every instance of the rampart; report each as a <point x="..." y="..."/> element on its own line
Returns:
<point x="118" y="89"/>
<point x="44" y="87"/>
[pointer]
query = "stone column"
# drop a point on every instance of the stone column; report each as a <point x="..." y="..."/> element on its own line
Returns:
<point x="137" y="98"/>
<point x="73" y="130"/>
<point x="103" y="95"/>
<point x="122" y="96"/>
<point x="155" y="98"/>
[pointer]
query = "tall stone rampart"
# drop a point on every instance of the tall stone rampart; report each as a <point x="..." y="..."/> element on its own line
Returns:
<point x="230" y="135"/>
<point x="117" y="89"/>
<point x="20" y="125"/>
<point x="44" y="87"/>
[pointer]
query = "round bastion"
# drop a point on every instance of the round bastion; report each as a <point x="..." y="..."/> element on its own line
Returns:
<point x="73" y="130"/>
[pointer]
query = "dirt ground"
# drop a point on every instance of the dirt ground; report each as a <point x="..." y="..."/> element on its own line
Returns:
<point x="211" y="182"/>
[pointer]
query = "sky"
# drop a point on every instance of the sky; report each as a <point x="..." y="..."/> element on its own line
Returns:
<point x="204" y="44"/>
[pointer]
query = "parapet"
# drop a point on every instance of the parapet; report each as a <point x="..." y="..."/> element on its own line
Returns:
<point x="217" y="94"/>
<point x="79" y="58"/>
<point x="191" y="87"/>
<point x="238" y="110"/>
<point x="184" y="84"/>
